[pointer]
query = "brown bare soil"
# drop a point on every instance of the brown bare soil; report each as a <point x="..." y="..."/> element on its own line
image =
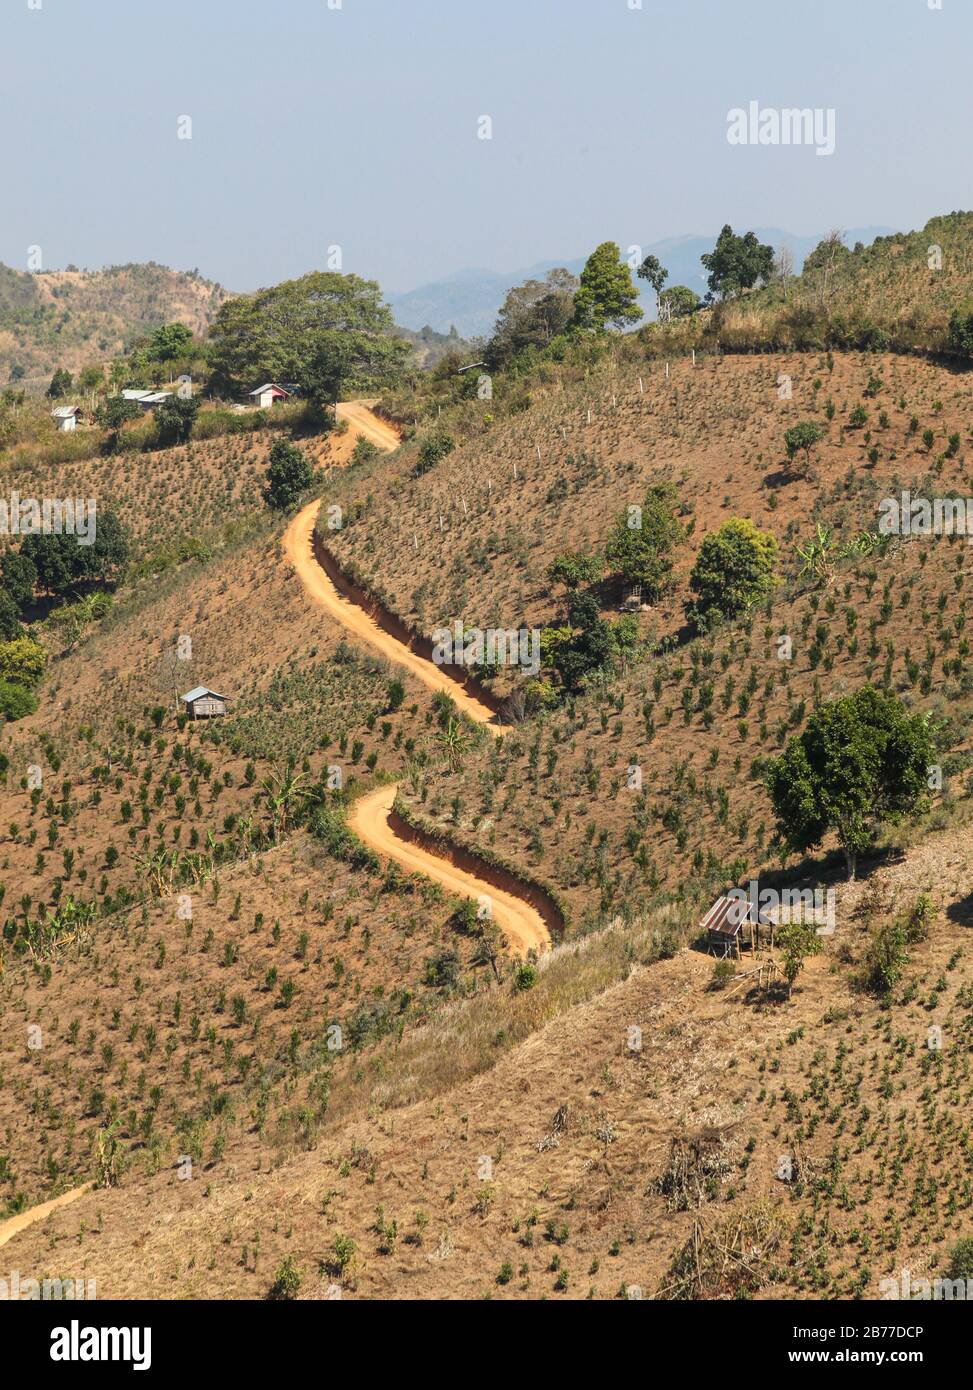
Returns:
<point x="471" y="1138"/>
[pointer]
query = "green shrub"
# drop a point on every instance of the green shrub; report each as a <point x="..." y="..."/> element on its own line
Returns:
<point x="723" y="972"/>
<point x="287" y="1281"/>
<point x="15" y="701"/>
<point x="961" y="1260"/>
<point x="433" y="449"/>
<point x="733" y="571"/>
<point x="525" y="977"/>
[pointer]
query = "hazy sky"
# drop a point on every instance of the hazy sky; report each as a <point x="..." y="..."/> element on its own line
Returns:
<point x="357" y="126"/>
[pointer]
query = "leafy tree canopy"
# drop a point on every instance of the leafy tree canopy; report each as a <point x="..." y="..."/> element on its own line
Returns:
<point x="734" y="570"/>
<point x="22" y="661"/>
<point x="606" y="297"/>
<point x="15" y="701"/>
<point x="679" y="301"/>
<point x="61" y="383"/>
<point x="737" y="263"/>
<point x="862" y="760"/>
<point x="574" y="570"/>
<point x="533" y="314"/>
<point x="174" y="419"/>
<point x="169" y="342"/>
<point x="113" y="412"/>
<point x="289" y="476"/>
<point x="640" y="547"/>
<point x="9" y="617"/>
<point x="828" y="254"/>
<point x="18" y="577"/>
<point x="330" y="333"/>
<point x="654" y="271"/>
<point x="62" y="563"/>
<point x="589" y="644"/>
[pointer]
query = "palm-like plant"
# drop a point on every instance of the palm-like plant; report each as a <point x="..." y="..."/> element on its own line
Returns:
<point x="818" y="554"/>
<point x="286" y="792"/>
<point x="454" y="740"/>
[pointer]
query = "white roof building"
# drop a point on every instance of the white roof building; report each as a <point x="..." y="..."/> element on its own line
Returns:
<point x="146" y="398"/>
<point x="66" y="416"/>
<point x="265" y="396"/>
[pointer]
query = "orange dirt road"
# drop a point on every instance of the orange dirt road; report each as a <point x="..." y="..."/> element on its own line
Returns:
<point x="16" y="1224"/>
<point x="521" y="924"/>
<point x="298" y="540"/>
<point x="366" y="422"/>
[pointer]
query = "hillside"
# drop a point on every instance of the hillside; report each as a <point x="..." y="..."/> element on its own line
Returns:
<point x="471" y="299"/>
<point x="473" y="1136"/>
<point x="898" y="292"/>
<point x="580" y="1164"/>
<point x="76" y="318"/>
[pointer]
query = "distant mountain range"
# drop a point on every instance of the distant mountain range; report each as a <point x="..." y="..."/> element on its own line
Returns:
<point x="470" y="300"/>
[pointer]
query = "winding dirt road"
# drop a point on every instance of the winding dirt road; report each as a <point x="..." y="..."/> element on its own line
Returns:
<point x="299" y="545"/>
<point x="15" y="1224"/>
<point x="366" y="422"/>
<point x="520" y="922"/>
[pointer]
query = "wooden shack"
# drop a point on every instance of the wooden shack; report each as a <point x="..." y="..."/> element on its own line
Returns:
<point x="731" y="923"/>
<point x="203" y="703"/>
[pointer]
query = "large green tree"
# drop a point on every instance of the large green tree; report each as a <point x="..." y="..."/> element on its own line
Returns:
<point x="734" y="570"/>
<point x="61" y="383"/>
<point x="174" y="419"/>
<point x="62" y="563"/>
<point x="18" y="577"/>
<point x="533" y="314"/>
<point x="862" y="760"/>
<point x="606" y="296"/>
<point x="330" y="333"/>
<point x="737" y="263"/>
<point x="9" y="618"/>
<point x="678" y="302"/>
<point x="641" y="546"/>
<point x="289" y="476"/>
<point x="171" y="341"/>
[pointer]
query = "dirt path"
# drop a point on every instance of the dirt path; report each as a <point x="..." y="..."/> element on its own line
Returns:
<point x="366" y="422"/>
<point x="521" y="924"/>
<point x="298" y="543"/>
<point x="15" y="1224"/>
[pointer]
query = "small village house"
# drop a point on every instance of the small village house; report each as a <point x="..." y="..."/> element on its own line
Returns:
<point x="203" y="703"/>
<point x="268" y="395"/>
<point x="66" y="417"/>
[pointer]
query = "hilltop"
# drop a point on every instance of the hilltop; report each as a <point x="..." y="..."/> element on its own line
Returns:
<point x="899" y="292"/>
<point x="471" y="299"/>
<point x="77" y="318"/>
